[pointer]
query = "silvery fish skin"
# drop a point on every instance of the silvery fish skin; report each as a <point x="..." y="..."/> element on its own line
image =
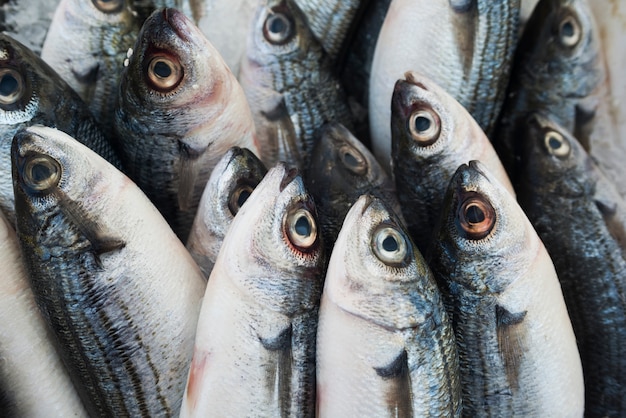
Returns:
<point x="180" y="110"/>
<point x="33" y="93"/>
<point x="385" y="346"/>
<point x="464" y="46"/>
<point x="580" y="217"/>
<point x="115" y="284"/>
<point x="516" y="345"/>
<point x="27" y="21"/>
<point x="432" y="134"/>
<point x="289" y="84"/>
<point x="341" y="170"/>
<point x="255" y="345"/>
<point x="33" y="381"/>
<point x="232" y="181"/>
<point x="86" y="44"/>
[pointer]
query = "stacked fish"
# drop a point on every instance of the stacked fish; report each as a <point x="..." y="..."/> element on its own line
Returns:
<point x="190" y="226"/>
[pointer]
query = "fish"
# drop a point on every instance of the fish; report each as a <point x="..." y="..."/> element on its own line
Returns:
<point x="86" y="44"/>
<point x="27" y="21"/>
<point x="179" y="111"/>
<point x="464" y="46"/>
<point x="432" y="134"/>
<point x="289" y="82"/>
<point x="33" y="380"/>
<point x="144" y="8"/>
<point x="517" y="350"/>
<point x="31" y="92"/>
<point x="254" y="352"/>
<point x="232" y="181"/>
<point x="117" y="287"/>
<point x="341" y="170"/>
<point x="580" y="216"/>
<point x="385" y="345"/>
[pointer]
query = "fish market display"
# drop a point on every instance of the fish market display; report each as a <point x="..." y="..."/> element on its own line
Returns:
<point x="581" y="218"/>
<point x="232" y="181"/>
<point x="383" y="324"/>
<point x="255" y="345"/>
<point x="94" y="246"/>
<point x="517" y="350"/>
<point x="180" y="109"/>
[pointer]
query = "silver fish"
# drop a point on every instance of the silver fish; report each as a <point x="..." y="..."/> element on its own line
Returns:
<point x="115" y="284"/>
<point x="385" y="346"/>
<point x="255" y="345"/>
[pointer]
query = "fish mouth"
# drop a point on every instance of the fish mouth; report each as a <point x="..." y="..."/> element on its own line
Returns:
<point x="289" y="175"/>
<point x="178" y="22"/>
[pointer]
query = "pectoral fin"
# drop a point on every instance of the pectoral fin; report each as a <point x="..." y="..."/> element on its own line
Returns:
<point x="511" y="342"/>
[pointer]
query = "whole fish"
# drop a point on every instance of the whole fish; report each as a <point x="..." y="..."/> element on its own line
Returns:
<point x="464" y="46"/>
<point x="517" y="350"/>
<point x="255" y="345"/>
<point x="86" y="44"/>
<point x="289" y="84"/>
<point x="114" y="283"/>
<point x="180" y="109"/>
<point x="33" y="381"/>
<point x="33" y="93"/>
<point x="385" y="346"/>
<point x="232" y="181"/>
<point x="432" y="134"/>
<point x="341" y="170"/>
<point x="581" y="219"/>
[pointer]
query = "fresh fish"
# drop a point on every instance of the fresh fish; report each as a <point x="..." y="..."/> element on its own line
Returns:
<point x="180" y="109"/>
<point x="33" y="93"/>
<point x="289" y="84"/>
<point x="464" y="46"/>
<point x="86" y="44"/>
<point x="33" y="381"/>
<point x="432" y="134"/>
<point x="385" y="346"/>
<point x="113" y="281"/>
<point x="341" y="170"/>
<point x="255" y="345"/>
<point x="581" y="218"/>
<point x="232" y="181"/>
<point x="516" y="345"/>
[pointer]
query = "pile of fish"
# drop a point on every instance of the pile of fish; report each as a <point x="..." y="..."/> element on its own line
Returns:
<point x="312" y="208"/>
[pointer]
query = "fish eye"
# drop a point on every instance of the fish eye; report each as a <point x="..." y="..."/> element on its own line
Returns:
<point x="108" y="6"/>
<point x="278" y="29"/>
<point x="41" y="173"/>
<point x="164" y="73"/>
<point x="475" y="217"/>
<point x="390" y="246"/>
<point x="353" y="160"/>
<point x="570" y="32"/>
<point x="556" y="144"/>
<point x="301" y="229"/>
<point x="425" y="126"/>
<point x="238" y="197"/>
<point x="11" y="86"/>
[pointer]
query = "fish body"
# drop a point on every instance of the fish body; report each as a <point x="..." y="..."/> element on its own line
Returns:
<point x="180" y="109"/>
<point x="517" y="349"/>
<point x="385" y="346"/>
<point x="114" y="283"/>
<point x="255" y="345"/>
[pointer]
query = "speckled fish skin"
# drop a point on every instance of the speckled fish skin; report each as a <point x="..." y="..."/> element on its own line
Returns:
<point x="465" y="46"/>
<point x="115" y="284"/>
<point x="232" y="181"/>
<point x="33" y="381"/>
<point x="86" y="44"/>
<point x="580" y="217"/>
<point x="516" y="345"/>
<point x="33" y="93"/>
<point x="383" y="324"/>
<point x="424" y="158"/>
<point x="341" y="170"/>
<point x="174" y="128"/>
<point x="255" y="345"/>
<point x="289" y="84"/>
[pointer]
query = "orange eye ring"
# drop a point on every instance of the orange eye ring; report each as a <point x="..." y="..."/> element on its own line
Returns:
<point x="476" y="217"/>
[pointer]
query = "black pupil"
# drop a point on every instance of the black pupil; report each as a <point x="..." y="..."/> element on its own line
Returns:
<point x="303" y="227"/>
<point x="474" y="215"/>
<point x="277" y="25"/>
<point x="554" y="142"/>
<point x="8" y="85"/>
<point x="350" y="159"/>
<point x="40" y="173"/>
<point x="422" y="123"/>
<point x="243" y="196"/>
<point x="390" y="244"/>
<point x="162" y="70"/>
<point x="567" y="30"/>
